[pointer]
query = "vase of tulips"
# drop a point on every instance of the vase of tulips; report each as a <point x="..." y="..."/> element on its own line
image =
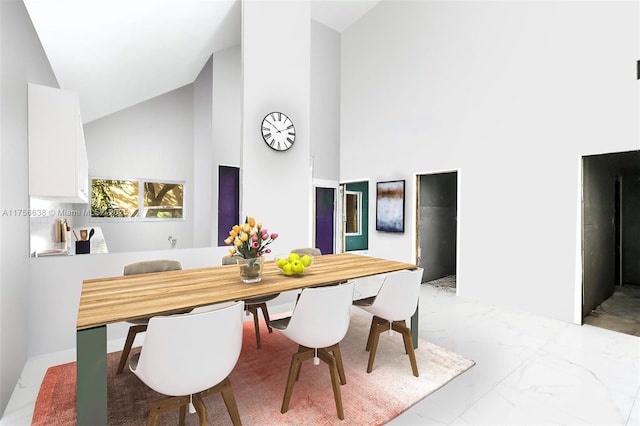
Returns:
<point x="249" y="242"/>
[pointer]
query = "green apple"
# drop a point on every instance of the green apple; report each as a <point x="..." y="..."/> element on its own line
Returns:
<point x="297" y="267"/>
<point x="306" y="260"/>
<point x="287" y="269"/>
<point x="281" y="262"/>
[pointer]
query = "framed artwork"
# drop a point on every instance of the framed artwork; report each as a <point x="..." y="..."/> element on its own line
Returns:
<point x="390" y="206"/>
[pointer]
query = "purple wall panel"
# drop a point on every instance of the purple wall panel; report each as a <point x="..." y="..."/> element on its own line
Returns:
<point x="325" y="207"/>
<point x="228" y="201"/>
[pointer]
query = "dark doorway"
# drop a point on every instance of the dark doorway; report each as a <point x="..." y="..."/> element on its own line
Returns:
<point x="437" y="225"/>
<point x="611" y="241"/>
<point x="325" y="215"/>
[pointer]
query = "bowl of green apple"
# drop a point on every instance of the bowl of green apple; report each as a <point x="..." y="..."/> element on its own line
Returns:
<point x="293" y="264"/>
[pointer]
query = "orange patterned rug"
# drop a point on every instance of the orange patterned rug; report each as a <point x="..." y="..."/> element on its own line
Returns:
<point x="259" y="379"/>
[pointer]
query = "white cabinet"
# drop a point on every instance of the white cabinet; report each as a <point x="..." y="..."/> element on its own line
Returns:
<point x="58" y="167"/>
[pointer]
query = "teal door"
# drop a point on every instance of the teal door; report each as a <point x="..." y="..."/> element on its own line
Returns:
<point x="355" y="216"/>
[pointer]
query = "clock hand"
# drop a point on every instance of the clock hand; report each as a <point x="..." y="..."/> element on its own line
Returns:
<point x="274" y="126"/>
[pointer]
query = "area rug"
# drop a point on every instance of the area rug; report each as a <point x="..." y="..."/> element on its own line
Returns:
<point x="259" y="379"/>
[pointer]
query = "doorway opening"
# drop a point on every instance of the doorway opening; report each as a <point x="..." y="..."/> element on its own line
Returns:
<point x="436" y="228"/>
<point x="611" y="241"/>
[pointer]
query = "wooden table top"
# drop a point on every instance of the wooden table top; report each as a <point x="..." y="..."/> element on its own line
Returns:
<point x="115" y="299"/>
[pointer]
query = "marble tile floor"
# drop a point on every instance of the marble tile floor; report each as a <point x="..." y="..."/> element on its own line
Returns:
<point x="530" y="370"/>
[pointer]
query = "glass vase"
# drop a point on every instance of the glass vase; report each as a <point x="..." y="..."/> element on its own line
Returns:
<point x="250" y="269"/>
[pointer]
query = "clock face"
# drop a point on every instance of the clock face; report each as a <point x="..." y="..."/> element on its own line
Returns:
<point x="278" y="131"/>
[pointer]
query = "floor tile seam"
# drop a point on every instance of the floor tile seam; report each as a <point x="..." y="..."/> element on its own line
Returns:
<point x="539" y="354"/>
<point x="636" y="402"/>
<point x="492" y="388"/>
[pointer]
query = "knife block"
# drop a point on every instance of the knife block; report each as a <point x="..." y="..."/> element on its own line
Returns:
<point x="83" y="247"/>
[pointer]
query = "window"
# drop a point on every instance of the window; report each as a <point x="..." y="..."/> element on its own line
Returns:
<point x="353" y="212"/>
<point x="136" y="199"/>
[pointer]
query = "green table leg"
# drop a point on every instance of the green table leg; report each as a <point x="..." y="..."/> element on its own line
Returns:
<point x="91" y="385"/>
<point x="414" y="328"/>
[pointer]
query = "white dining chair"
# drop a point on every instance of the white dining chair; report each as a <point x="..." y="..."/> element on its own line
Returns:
<point x="319" y="321"/>
<point x="140" y="325"/>
<point x="252" y="305"/>
<point x="313" y="251"/>
<point x="182" y="360"/>
<point x="396" y="301"/>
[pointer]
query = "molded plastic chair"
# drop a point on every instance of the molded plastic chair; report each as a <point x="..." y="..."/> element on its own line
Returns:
<point x="182" y="359"/>
<point x="140" y="325"/>
<point x="396" y="301"/>
<point x="318" y="323"/>
<point x="253" y="304"/>
<point x="310" y="250"/>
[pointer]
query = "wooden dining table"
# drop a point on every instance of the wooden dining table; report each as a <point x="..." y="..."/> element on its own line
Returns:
<point x="110" y="300"/>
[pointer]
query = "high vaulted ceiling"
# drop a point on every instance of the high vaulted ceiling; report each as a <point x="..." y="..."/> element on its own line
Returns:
<point x="117" y="53"/>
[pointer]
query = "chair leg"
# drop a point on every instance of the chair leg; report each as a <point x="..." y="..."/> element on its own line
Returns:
<point x="201" y="409"/>
<point x="294" y="370"/>
<point x="378" y="325"/>
<point x="224" y="387"/>
<point x="330" y="356"/>
<point x="401" y="327"/>
<point x="335" y="349"/>
<point x="230" y="402"/>
<point x="161" y="406"/>
<point x="183" y="415"/>
<point x="133" y="330"/>
<point x="265" y="314"/>
<point x="372" y="330"/>
<point x="256" y="325"/>
<point x="335" y="380"/>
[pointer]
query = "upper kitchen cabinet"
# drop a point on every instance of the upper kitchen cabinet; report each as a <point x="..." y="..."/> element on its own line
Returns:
<point x="58" y="168"/>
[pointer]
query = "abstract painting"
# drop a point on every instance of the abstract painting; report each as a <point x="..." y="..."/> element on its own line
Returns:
<point x="390" y="206"/>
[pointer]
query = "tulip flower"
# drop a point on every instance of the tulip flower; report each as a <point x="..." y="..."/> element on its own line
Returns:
<point x="249" y="239"/>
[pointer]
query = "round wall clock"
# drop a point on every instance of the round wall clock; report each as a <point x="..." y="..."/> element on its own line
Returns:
<point x="278" y="131"/>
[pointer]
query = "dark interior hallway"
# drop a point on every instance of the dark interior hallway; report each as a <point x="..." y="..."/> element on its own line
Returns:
<point x="620" y="312"/>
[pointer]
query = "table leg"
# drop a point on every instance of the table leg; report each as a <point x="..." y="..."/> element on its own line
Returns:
<point x="414" y="327"/>
<point x="91" y="382"/>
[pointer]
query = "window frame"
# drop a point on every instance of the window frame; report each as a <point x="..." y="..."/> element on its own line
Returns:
<point x="141" y="207"/>
<point x="358" y="195"/>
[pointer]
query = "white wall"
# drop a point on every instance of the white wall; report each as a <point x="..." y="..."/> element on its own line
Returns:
<point x="227" y="107"/>
<point x="510" y="93"/>
<point x="151" y="140"/>
<point x="22" y="60"/>
<point x="325" y="102"/>
<point x="227" y="119"/>
<point x="203" y="215"/>
<point x="276" y="77"/>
